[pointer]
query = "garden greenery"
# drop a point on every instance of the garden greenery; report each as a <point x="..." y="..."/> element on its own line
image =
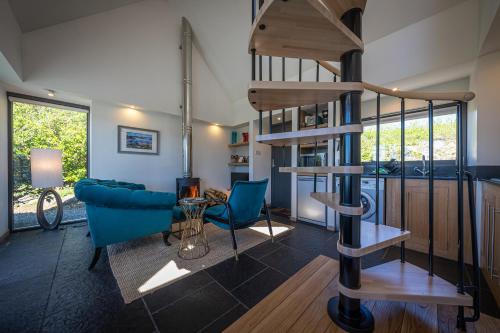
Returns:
<point x="37" y="126"/>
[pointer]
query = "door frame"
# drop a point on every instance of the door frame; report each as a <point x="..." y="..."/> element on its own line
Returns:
<point x="10" y="134"/>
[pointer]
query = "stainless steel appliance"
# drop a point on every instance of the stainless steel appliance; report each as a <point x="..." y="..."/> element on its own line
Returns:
<point x="308" y="209"/>
<point x="368" y="190"/>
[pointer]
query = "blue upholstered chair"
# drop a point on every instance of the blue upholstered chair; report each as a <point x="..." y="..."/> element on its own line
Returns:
<point x="242" y="209"/>
<point x="120" y="211"/>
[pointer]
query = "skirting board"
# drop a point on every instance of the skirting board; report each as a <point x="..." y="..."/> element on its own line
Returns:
<point x="4" y="237"/>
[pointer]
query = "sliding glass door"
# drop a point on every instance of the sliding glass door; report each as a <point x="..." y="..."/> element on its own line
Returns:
<point x="43" y="124"/>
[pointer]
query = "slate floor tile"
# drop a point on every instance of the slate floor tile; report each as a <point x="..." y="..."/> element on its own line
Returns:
<point x="231" y="273"/>
<point x="287" y="260"/>
<point x="171" y="293"/>
<point x="263" y="249"/>
<point x="22" y="304"/>
<point x="194" y="312"/>
<point x="225" y="320"/>
<point x="81" y="287"/>
<point x="101" y="314"/>
<point x="254" y="290"/>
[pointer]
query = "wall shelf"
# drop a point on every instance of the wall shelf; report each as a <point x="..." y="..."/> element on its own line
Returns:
<point x="237" y="164"/>
<point x="240" y="144"/>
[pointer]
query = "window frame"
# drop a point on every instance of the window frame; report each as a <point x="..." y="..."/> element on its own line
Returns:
<point x="11" y="96"/>
<point x="411" y="114"/>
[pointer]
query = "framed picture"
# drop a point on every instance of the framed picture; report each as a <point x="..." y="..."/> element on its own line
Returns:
<point x="133" y="140"/>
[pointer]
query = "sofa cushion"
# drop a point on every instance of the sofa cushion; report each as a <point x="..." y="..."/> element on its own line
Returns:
<point x="114" y="194"/>
<point x="178" y="213"/>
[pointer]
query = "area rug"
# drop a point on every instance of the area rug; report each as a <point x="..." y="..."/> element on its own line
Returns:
<point x="144" y="265"/>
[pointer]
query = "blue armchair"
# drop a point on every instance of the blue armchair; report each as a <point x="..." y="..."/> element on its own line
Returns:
<point x="242" y="209"/>
<point x="120" y="211"/>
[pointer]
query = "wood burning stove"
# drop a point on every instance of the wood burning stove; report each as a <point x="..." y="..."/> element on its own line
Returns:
<point x="187" y="188"/>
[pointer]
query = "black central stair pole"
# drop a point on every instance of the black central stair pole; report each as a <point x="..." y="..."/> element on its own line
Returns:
<point x="346" y="312"/>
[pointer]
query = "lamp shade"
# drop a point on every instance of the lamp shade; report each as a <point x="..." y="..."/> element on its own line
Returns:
<point x="46" y="168"/>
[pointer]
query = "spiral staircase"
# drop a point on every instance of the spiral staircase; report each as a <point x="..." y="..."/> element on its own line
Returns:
<point x="330" y="30"/>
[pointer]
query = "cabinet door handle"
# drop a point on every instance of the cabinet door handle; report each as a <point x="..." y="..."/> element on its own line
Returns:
<point x="488" y="235"/>
<point x="492" y="256"/>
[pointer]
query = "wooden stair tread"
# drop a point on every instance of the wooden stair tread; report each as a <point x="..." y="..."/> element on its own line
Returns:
<point x="307" y="136"/>
<point x="274" y="95"/>
<point x="332" y="201"/>
<point x="308" y="29"/>
<point x="373" y="238"/>
<point x="349" y="170"/>
<point x="396" y="281"/>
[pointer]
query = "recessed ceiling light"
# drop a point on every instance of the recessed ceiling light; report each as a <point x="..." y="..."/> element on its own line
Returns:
<point x="279" y="118"/>
<point x="395" y="89"/>
<point x="51" y="93"/>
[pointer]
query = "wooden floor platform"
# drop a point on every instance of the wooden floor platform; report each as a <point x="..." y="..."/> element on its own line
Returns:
<point x="299" y="305"/>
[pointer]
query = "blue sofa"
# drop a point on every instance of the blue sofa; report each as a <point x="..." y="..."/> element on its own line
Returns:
<point x="120" y="211"/>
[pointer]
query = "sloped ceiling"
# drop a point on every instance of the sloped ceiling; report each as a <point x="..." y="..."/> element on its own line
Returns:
<point x="36" y="14"/>
<point x="222" y="27"/>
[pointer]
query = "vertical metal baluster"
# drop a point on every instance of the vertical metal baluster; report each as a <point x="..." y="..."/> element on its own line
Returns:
<point x="299" y="110"/>
<point x="253" y="62"/>
<point x="283" y="126"/>
<point x="270" y="79"/>
<point x="460" y="198"/>
<point x="431" y="188"/>
<point x="316" y="113"/>
<point x="377" y="163"/>
<point x="334" y="178"/>
<point x="403" y="172"/>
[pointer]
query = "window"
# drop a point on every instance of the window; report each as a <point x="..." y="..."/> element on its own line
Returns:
<point x="35" y="124"/>
<point x="416" y="138"/>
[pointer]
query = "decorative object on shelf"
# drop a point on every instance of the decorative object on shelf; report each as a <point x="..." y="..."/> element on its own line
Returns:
<point x="133" y="140"/>
<point x="234" y="137"/>
<point x="245" y="136"/>
<point x="46" y="173"/>
<point x="194" y="242"/>
<point x="235" y="158"/>
<point x="309" y="120"/>
<point x="325" y="115"/>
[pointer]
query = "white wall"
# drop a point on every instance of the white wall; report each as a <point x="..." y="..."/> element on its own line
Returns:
<point x="127" y="56"/>
<point x="10" y="38"/>
<point x="485" y="111"/>
<point x="260" y="159"/>
<point x="3" y="166"/>
<point x="157" y="172"/>
<point x="443" y="40"/>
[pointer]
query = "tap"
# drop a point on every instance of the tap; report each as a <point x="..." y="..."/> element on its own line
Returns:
<point x="424" y="171"/>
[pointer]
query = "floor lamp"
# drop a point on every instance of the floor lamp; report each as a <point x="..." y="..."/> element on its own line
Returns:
<point x="46" y="173"/>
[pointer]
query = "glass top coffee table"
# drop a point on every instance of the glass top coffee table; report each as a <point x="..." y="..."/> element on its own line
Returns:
<point x="194" y="242"/>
